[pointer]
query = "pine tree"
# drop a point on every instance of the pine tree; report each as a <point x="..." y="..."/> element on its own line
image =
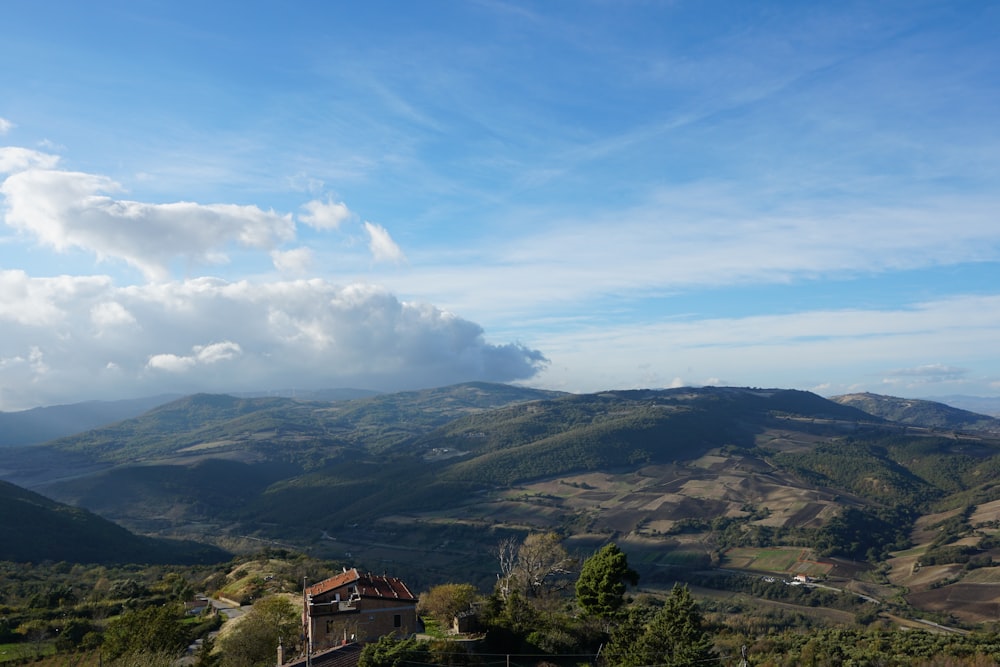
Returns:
<point x="600" y="589"/>
<point x="675" y="636"/>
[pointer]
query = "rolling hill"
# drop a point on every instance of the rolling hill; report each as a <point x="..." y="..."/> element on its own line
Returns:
<point x="35" y="528"/>
<point x="37" y="425"/>
<point x="428" y="481"/>
<point x="918" y="412"/>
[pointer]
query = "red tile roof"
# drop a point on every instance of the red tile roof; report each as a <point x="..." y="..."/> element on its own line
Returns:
<point x="369" y="585"/>
<point x="336" y="581"/>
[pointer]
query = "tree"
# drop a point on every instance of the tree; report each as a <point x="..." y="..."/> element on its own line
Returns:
<point x="537" y="568"/>
<point x="391" y="652"/>
<point x="444" y="602"/>
<point x="600" y="589"/>
<point x="630" y="626"/>
<point x="506" y="553"/>
<point x="543" y="564"/>
<point x="150" y="630"/>
<point x="254" y="639"/>
<point x="675" y="636"/>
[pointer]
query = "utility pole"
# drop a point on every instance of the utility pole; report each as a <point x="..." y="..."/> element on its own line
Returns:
<point x="308" y="618"/>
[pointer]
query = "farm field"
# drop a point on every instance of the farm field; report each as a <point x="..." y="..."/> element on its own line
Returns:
<point x="777" y="560"/>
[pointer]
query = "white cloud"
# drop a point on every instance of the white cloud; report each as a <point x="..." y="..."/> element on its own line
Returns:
<point x="64" y="210"/>
<point x="110" y="314"/>
<point x="43" y="302"/>
<point x="382" y="247"/>
<point x="5" y="126"/>
<point x="170" y="362"/>
<point x="68" y="339"/>
<point x="201" y="355"/>
<point x="15" y="158"/>
<point x="296" y="261"/>
<point x="325" y="215"/>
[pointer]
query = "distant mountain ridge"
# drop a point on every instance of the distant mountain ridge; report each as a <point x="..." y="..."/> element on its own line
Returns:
<point x="29" y="427"/>
<point x="35" y="528"/>
<point x="918" y="412"/>
<point x="430" y="480"/>
<point x="984" y="405"/>
<point x="249" y="460"/>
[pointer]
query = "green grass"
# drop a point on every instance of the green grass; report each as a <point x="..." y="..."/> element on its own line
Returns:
<point x="432" y="627"/>
<point x="53" y="659"/>
<point x="23" y="651"/>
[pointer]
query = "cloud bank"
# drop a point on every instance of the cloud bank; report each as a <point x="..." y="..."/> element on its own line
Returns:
<point x="70" y="338"/>
<point x="74" y="338"/>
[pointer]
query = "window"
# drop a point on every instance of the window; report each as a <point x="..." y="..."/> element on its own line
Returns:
<point x="397" y="621"/>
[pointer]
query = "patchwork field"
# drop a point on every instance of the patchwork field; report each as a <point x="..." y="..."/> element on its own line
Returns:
<point x="777" y="560"/>
<point x="653" y="499"/>
<point x="972" y="603"/>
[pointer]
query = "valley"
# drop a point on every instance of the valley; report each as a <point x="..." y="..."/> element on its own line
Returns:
<point x="769" y="482"/>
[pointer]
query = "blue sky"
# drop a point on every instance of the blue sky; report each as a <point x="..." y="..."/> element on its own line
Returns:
<point x="579" y="196"/>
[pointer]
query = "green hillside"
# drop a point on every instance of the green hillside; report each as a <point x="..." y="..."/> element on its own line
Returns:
<point x="253" y="461"/>
<point x="919" y="412"/>
<point x="35" y="529"/>
<point x="437" y="477"/>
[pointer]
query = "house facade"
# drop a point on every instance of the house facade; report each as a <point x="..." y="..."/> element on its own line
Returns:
<point x="352" y="606"/>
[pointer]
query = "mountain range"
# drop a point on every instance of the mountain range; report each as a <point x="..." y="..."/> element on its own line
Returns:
<point x="428" y="482"/>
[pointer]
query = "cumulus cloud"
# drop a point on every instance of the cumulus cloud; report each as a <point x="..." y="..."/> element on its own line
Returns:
<point x="5" y="126"/>
<point x="325" y="214"/>
<point x="382" y="247"/>
<point x="201" y="355"/>
<point x="15" y="158"/>
<point x="71" y="339"/>
<point x="64" y="209"/>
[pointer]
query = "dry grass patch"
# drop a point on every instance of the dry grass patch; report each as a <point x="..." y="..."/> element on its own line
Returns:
<point x="986" y="513"/>
<point x="923" y="532"/>
<point x="974" y="603"/>
<point x="924" y="577"/>
<point x="983" y="575"/>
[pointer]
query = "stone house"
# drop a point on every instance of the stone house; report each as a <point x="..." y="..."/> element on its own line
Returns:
<point x="356" y="607"/>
